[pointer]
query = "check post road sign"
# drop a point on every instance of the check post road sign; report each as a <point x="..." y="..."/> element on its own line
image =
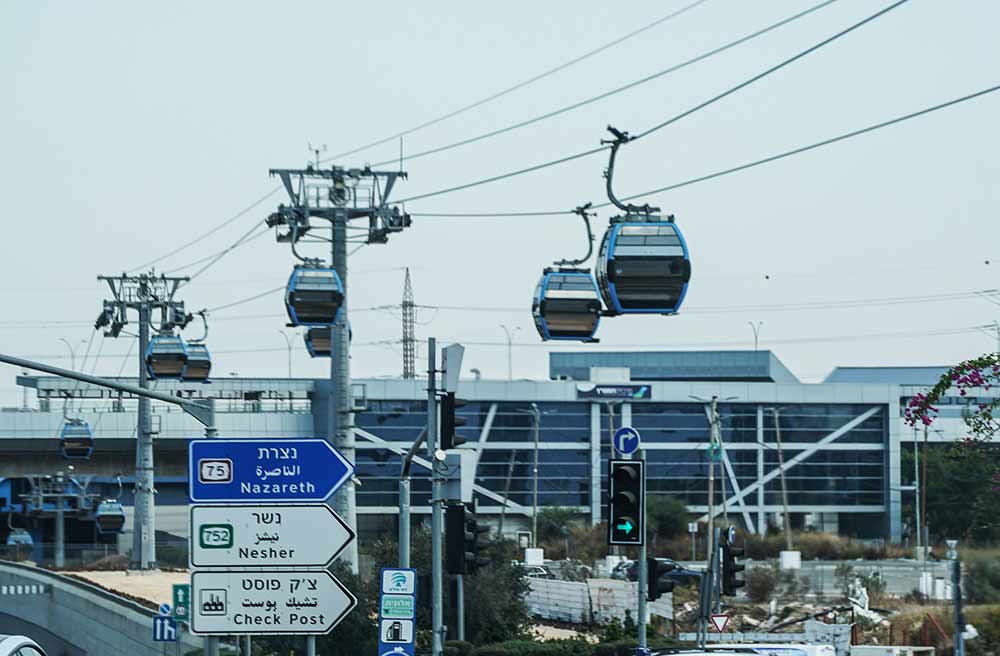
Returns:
<point x="272" y="535"/>
<point x="266" y="470"/>
<point x="268" y="602"/>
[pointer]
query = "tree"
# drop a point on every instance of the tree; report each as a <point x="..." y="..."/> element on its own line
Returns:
<point x="666" y="517"/>
<point x="963" y="481"/>
<point x="554" y="524"/>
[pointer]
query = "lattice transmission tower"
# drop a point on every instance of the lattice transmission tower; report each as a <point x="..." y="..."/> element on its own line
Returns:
<point x="409" y="330"/>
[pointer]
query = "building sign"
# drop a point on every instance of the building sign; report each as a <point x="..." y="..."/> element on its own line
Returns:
<point x="622" y="392"/>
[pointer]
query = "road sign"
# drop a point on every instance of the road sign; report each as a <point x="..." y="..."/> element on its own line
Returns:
<point x="272" y="535"/>
<point x="258" y="602"/>
<point x="720" y="621"/>
<point x="626" y="440"/>
<point x="251" y="471"/>
<point x="397" y="612"/>
<point x="164" y="629"/>
<point x="182" y="601"/>
<point x="165" y="610"/>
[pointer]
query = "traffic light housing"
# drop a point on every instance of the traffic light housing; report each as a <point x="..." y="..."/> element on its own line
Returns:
<point x="626" y="502"/>
<point x="730" y="565"/>
<point x="449" y="422"/>
<point x="463" y="548"/>
<point x="655" y="586"/>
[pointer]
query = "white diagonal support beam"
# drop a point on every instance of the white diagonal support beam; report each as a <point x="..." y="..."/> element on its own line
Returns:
<point x="417" y="460"/>
<point x="791" y="462"/>
<point x="484" y="434"/>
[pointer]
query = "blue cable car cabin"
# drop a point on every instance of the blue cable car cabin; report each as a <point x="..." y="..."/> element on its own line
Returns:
<point x="109" y="517"/>
<point x="643" y="266"/>
<point x="199" y="363"/>
<point x="314" y="296"/>
<point x="567" y="305"/>
<point x="318" y="342"/>
<point x="76" y="440"/>
<point x="166" y="357"/>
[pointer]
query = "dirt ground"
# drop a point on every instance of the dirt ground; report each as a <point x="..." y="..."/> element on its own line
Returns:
<point x="155" y="587"/>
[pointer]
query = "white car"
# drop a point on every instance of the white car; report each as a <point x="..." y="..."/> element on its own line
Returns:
<point x="19" y="646"/>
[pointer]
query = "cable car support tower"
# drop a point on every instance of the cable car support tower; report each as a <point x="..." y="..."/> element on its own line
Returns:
<point x="331" y="198"/>
<point x="145" y="293"/>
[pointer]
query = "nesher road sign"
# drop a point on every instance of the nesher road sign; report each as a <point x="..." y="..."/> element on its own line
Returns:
<point x="256" y="602"/>
<point x="626" y="440"/>
<point x="274" y="535"/>
<point x="251" y="471"/>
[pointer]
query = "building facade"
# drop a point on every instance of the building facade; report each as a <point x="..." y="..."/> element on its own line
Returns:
<point x="840" y="440"/>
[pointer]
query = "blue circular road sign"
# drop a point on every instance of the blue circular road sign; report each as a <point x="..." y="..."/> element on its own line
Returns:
<point x="165" y="609"/>
<point x="626" y="440"/>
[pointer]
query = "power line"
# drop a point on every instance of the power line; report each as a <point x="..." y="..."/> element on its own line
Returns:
<point x="243" y="239"/>
<point x="688" y="112"/>
<point x="211" y="232"/>
<point x="519" y="85"/>
<point x="217" y="253"/>
<point x="608" y="94"/>
<point x="740" y="167"/>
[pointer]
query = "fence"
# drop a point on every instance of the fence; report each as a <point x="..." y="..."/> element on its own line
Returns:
<point x="596" y="601"/>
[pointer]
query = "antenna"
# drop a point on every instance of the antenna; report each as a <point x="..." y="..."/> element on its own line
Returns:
<point x="316" y="151"/>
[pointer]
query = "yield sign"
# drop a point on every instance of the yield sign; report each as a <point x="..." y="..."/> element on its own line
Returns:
<point x="720" y="621"/>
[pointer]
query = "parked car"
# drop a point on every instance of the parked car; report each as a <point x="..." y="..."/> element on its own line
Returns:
<point x="680" y="575"/>
<point x="538" y="572"/>
<point x="12" y="645"/>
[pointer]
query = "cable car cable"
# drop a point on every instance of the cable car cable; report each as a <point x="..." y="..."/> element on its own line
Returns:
<point x="519" y="85"/>
<point x="223" y="253"/>
<point x="688" y="112"/>
<point x="215" y="254"/>
<point x="734" y="169"/>
<point x="607" y="94"/>
<point x="211" y="232"/>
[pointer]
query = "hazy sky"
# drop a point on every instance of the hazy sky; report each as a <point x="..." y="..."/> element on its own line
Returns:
<point x="128" y="128"/>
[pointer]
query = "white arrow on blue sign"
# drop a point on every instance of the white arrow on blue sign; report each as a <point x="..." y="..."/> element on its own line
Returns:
<point x="626" y="440"/>
<point x="276" y="470"/>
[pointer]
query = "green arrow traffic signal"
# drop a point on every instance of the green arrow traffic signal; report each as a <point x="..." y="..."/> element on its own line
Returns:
<point x="625" y="526"/>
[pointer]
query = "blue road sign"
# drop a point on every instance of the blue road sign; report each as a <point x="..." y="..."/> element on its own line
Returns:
<point x="626" y="440"/>
<point x="251" y="471"/>
<point x="397" y="616"/>
<point x="164" y="629"/>
<point x="164" y="609"/>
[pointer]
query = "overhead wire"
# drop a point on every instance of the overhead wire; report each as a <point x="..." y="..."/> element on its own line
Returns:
<point x="519" y="85"/>
<point x="242" y="240"/>
<point x="702" y="105"/>
<point x="211" y="232"/>
<point x="217" y="253"/>
<point x="612" y="92"/>
<point x="735" y="169"/>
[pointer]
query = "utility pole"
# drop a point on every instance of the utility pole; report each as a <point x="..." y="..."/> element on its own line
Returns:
<point x="713" y="444"/>
<point x="337" y="196"/>
<point x="781" y="473"/>
<point x="536" y="417"/>
<point x="923" y="497"/>
<point x="956" y="597"/>
<point x="437" y="504"/>
<point x="409" y="330"/>
<point x="918" y="550"/>
<point x="146" y="294"/>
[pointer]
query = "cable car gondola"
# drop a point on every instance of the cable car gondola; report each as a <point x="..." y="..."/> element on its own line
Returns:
<point x="199" y="363"/>
<point x="567" y="305"/>
<point x="166" y="357"/>
<point x="76" y="440"/>
<point x="643" y="265"/>
<point x="109" y="517"/>
<point x="313" y="296"/>
<point x="318" y="342"/>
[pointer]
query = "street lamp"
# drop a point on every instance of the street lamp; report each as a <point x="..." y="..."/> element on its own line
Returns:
<point x="288" y="343"/>
<point x="756" y="332"/>
<point x="510" y="345"/>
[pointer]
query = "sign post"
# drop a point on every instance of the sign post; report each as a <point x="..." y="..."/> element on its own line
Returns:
<point x="397" y="613"/>
<point x="258" y="504"/>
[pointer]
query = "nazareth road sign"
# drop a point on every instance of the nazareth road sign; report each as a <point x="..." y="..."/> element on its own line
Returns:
<point x="272" y="535"/>
<point x="258" y="602"/>
<point x="265" y="470"/>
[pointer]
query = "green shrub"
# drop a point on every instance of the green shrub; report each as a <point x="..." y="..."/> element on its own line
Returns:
<point x="982" y="581"/>
<point x="761" y="584"/>
<point x="570" y="647"/>
<point x="627" y="647"/>
<point x="462" y="647"/>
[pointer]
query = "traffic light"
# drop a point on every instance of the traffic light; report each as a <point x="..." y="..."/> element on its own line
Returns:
<point x="462" y="544"/>
<point x="730" y="566"/>
<point x="449" y="422"/>
<point x="626" y="502"/>
<point x="655" y="586"/>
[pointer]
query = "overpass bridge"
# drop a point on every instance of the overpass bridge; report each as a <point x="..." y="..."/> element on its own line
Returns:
<point x="68" y="616"/>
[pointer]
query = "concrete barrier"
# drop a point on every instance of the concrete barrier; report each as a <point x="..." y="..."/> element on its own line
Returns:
<point x="80" y="619"/>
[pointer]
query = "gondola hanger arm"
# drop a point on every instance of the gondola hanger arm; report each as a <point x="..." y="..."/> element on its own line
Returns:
<point x="621" y="137"/>
<point x="582" y="212"/>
